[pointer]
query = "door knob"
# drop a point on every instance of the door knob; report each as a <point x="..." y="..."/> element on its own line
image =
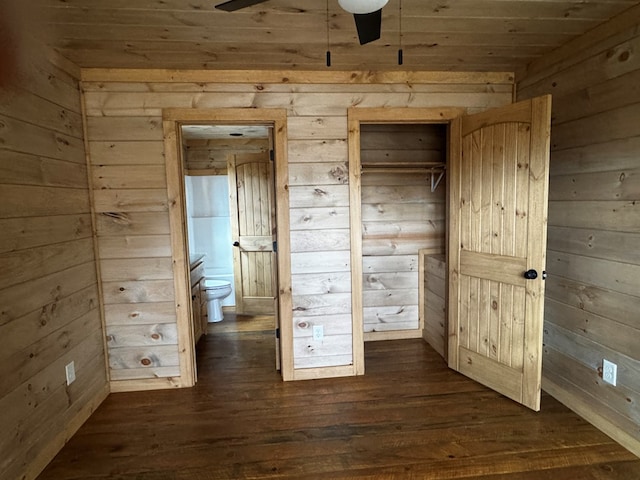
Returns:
<point x="531" y="274"/>
<point x="236" y="244"/>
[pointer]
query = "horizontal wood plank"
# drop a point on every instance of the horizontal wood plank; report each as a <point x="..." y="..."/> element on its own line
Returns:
<point x="134" y="152"/>
<point x="29" y="232"/>
<point x="139" y="313"/>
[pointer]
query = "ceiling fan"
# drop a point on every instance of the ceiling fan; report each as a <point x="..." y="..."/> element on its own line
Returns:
<point x="366" y="13"/>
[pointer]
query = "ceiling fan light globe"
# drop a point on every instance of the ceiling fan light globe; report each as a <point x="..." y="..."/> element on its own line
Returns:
<point x="362" y="6"/>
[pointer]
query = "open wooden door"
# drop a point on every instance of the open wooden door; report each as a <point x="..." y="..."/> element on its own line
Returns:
<point x="498" y="173"/>
<point x="252" y="230"/>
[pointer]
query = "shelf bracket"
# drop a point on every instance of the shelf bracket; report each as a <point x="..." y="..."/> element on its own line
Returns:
<point x="436" y="181"/>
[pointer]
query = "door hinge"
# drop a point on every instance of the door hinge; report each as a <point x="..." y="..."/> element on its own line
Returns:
<point x="272" y="155"/>
<point x="275" y="247"/>
<point x="278" y="332"/>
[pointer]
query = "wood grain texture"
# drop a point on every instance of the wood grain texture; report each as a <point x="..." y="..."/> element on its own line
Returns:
<point x="433" y="311"/>
<point x="500" y="233"/>
<point x="400" y="216"/>
<point x="133" y="206"/>
<point x="407" y="417"/>
<point x="253" y="226"/>
<point x="49" y="315"/>
<point x="499" y="36"/>
<point x="592" y="221"/>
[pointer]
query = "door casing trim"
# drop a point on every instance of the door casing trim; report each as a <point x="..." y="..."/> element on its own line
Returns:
<point x="172" y="119"/>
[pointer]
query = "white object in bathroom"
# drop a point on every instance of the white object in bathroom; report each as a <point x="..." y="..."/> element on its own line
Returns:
<point x="209" y="226"/>
<point x="215" y="291"/>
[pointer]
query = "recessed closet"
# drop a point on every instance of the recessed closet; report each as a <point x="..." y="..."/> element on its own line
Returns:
<point x="403" y="220"/>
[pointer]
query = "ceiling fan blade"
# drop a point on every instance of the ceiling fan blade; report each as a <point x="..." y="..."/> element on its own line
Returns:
<point x="368" y="26"/>
<point x="233" y="5"/>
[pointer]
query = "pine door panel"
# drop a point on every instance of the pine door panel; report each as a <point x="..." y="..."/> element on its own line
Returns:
<point x="250" y="177"/>
<point x="498" y="214"/>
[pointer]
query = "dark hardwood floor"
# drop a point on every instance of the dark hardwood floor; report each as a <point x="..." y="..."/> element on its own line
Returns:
<point x="408" y="417"/>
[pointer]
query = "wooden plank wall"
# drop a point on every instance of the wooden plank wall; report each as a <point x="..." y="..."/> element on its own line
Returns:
<point x="125" y="135"/>
<point x="435" y="305"/>
<point x="130" y="198"/>
<point x="49" y="301"/>
<point x="593" y="289"/>
<point x="400" y="215"/>
<point x="209" y="156"/>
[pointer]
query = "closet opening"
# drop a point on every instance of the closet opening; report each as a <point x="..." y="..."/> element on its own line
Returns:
<point x="399" y="224"/>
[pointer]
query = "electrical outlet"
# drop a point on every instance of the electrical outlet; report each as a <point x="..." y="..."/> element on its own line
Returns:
<point x="70" y="371"/>
<point x="318" y="333"/>
<point x="609" y="372"/>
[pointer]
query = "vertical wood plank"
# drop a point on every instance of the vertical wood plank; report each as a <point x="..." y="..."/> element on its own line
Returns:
<point x="355" y="224"/>
<point x="234" y="220"/>
<point x="497" y="233"/>
<point x="536" y="254"/>
<point x="180" y="252"/>
<point x="521" y="240"/>
<point x="466" y="242"/>
<point x="94" y="230"/>
<point x="454" y="189"/>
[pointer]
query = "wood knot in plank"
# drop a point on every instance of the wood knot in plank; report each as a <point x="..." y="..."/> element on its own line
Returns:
<point x="339" y="174"/>
<point x="118" y="217"/>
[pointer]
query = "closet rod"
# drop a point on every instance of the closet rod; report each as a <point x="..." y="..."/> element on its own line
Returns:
<point x="402" y="165"/>
<point x="436" y="172"/>
<point x="401" y="169"/>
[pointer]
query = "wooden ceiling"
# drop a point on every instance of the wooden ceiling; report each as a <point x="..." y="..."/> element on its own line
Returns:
<point x="455" y="35"/>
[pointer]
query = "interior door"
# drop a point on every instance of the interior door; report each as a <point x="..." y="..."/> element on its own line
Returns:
<point x="498" y="189"/>
<point x="252" y="230"/>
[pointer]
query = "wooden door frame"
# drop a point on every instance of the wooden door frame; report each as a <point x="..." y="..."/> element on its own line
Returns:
<point x="172" y="120"/>
<point x="355" y="117"/>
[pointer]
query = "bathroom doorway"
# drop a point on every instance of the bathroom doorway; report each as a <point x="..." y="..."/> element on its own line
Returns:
<point x="230" y="210"/>
<point x="221" y="136"/>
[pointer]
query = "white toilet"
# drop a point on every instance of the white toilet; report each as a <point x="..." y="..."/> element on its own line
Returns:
<point x="215" y="291"/>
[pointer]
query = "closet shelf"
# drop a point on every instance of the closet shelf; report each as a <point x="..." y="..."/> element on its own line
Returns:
<point x="402" y="165"/>
<point x="435" y="169"/>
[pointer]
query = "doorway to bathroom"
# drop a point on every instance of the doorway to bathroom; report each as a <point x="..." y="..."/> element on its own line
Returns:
<point x="227" y="176"/>
<point x="231" y="212"/>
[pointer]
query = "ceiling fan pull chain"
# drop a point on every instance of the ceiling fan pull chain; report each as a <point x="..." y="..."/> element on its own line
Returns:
<point x="400" y="53"/>
<point x="328" y="43"/>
